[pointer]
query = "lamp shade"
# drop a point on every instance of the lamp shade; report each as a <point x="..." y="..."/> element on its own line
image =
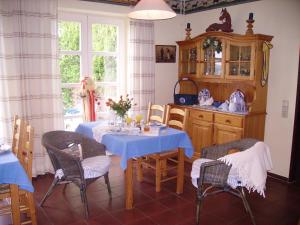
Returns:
<point x="152" y="10"/>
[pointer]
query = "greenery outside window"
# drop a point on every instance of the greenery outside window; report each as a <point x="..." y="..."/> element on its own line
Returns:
<point x="89" y="46"/>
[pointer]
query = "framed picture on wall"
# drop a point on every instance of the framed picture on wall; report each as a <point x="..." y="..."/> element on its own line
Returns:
<point x="165" y="53"/>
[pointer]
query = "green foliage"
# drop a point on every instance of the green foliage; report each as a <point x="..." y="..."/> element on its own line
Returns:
<point x="104" y="37"/>
<point x="67" y="98"/>
<point x="69" y="33"/>
<point x="105" y="68"/>
<point x="70" y="68"/>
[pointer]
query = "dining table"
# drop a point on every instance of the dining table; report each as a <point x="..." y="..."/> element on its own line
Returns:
<point x="129" y="146"/>
<point x="12" y="173"/>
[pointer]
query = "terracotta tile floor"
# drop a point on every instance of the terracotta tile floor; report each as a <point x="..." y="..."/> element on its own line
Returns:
<point x="280" y="207"/>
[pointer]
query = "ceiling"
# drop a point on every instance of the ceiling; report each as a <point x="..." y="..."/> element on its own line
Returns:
<point x="183" y="6"/>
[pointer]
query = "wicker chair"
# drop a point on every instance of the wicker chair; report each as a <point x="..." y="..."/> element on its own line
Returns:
<point x="214" y="174"/>
<point x="72" y="166"/>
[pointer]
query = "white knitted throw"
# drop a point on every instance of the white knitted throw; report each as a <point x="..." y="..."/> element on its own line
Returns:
<point x="252" y="166"/>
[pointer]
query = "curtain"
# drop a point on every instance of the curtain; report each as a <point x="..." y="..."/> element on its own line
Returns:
<point x="29" y="76"/>
<point x="141" y="64"/>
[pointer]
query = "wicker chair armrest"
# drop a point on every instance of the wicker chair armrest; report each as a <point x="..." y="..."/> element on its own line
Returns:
<point x="217" y="151"/>
<point x="91" y="148"/>
<point x="214" y="172"/>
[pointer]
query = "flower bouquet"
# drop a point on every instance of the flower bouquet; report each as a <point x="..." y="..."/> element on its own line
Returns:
<point x="120" y="107"/>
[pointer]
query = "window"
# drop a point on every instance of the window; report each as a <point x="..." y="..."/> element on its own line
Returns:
<point x="89" y="46"/>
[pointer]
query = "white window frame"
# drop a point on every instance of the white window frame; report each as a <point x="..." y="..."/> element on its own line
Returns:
<point x="86" y="52"/>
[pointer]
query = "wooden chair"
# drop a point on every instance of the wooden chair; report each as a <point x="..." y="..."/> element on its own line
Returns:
<point x="156" y="113"/>
<point x="25" y="155"/>
<point x="176" y="118"/>
<point x="18" y="126"/>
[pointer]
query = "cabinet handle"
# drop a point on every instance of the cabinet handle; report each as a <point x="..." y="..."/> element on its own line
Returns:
<point x="200" y="116"/>
<point x="227" y="121"/>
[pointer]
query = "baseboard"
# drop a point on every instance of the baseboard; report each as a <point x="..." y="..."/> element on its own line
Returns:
<point x="278" y="177"/>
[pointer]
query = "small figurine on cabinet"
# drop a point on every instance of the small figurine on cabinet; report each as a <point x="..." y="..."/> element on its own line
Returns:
<point x="204" y="98"/>
<point x="237" y="102"/>
<point x="225" y="26"/>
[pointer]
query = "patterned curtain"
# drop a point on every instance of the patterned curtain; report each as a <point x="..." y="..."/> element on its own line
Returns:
<point x="141" y="64"/>
<point x="29" y="77"/>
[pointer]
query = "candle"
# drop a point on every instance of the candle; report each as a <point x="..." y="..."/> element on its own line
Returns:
<point x="188" y="25"/>
<point x="251" y="16"/>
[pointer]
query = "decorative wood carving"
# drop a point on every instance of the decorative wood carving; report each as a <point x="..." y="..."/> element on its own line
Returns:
<point x="225" y="26"/>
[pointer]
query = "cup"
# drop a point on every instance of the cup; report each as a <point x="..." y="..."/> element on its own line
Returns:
<point x="138" y="118"/>
<point x="128" y="120"/>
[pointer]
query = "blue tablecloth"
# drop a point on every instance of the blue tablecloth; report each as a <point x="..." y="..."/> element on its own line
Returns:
<point x="129" y="146"/>
<point x="12" y="172"/>
<point x="87" y="128"/>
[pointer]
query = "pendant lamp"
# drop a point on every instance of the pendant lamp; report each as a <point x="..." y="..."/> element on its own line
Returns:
<point x="152" y="10"/>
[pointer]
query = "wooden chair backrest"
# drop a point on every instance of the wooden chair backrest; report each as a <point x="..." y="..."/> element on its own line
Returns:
<point x="156" y="113"/>
<point x="25" y="154"/>
<point x="18" y="129"/>
<point x="177" y="118"/>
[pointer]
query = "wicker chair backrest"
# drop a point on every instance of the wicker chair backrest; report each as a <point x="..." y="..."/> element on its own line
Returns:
<point x="54" y="142"/>
<point x="217" y="151"/>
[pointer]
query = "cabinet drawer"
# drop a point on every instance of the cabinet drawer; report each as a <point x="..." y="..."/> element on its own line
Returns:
<point x="229" y="120"/>
<point x="202" y="115"/>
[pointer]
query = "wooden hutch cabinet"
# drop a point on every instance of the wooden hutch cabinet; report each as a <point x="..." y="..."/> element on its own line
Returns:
<point x="237" y="65"/>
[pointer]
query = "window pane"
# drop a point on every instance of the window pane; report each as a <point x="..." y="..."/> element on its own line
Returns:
<point x="105" y="68"/>
<point x="70" y="68"/>
<point x="69" y="35"/>
<point x="72" y="101"/>
<point x="104" y="37"/>
<point x="106" y="92"/>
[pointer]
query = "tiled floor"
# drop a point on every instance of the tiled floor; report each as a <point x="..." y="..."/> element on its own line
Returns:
<point x="280" y="207"/>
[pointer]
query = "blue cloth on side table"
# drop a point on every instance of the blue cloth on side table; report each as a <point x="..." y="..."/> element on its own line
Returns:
<point x="129" y="146"/>
<point x="12" y="172"/>
<point x="87" y="128"/>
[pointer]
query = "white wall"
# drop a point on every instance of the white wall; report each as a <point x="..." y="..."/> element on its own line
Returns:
<point x="92" y="7"/>
<point x="273" y="17"/>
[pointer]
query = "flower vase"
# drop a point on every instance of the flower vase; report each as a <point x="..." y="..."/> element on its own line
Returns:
<point x="120" y="121"/>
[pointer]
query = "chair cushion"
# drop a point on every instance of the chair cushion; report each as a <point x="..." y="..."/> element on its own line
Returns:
<point x="93" y="167"/>
<point x="233" y="180"/>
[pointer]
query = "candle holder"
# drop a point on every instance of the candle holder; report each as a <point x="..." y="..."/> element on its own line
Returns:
<point x="249" y="31"/>
<point x="188" y="33"/>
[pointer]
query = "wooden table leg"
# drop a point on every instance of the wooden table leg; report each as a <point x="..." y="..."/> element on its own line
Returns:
<point x="129" y="185"/>
<point x="15" y="204"/>
<point x="180" y="171"/>
<point x="139" y="169"/>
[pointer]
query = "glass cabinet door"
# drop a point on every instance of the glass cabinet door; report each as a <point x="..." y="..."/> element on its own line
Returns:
<point x="239" y="63"/>
<point x="188" y="61"/>
<point x="193" y="61"/>
<point x="212" y="63"/>
<point x="184" y="61"/>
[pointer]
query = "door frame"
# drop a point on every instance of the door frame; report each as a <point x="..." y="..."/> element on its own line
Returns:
<point x="294" y="176"/>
